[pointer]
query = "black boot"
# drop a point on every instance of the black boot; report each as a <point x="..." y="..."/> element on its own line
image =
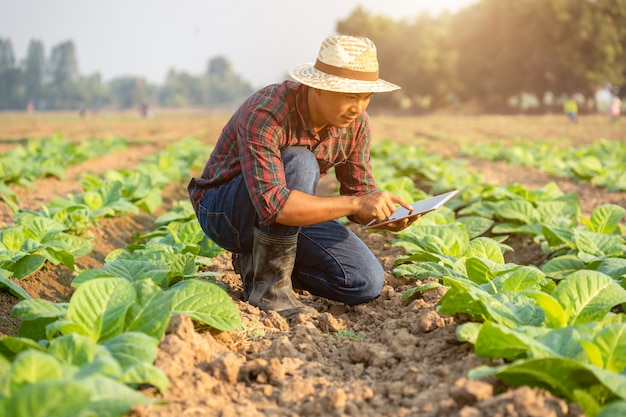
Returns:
<point x="242" y="264"/>
<point x="274" y="258"/>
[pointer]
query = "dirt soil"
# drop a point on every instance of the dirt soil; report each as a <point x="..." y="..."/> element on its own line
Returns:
<point x="382" y="358"/>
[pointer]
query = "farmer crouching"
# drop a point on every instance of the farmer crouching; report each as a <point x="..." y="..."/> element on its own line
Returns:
<point x="257" y="193"/>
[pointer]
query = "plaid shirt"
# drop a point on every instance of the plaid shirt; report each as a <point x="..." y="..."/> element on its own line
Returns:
<point x="270" y="121"/>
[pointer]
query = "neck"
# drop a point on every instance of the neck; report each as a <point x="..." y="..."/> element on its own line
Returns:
<point x="314" y="113"/>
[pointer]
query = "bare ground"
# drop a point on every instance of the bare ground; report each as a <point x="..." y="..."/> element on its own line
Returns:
<point x="382" y="358"/>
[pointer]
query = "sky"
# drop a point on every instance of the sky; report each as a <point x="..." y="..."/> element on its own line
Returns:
<point x="261" y="39"/>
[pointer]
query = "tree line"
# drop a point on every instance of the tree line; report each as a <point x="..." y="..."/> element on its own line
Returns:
<point x="498" y="55"/>
<point x="495" y="53"/>
<point x="54" y="83"/>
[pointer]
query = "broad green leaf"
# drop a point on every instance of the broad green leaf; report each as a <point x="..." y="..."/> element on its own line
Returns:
<point x="136" y="270"/>
<point x="556" y="236"/>
<point x="475" y="225"/>
<point x="32" y="366"/>
<point x="521" y="279"/>
<point x="556" y="316"/>
<point x="590" y="295"/>
<point x="145" y="373"/>
<point x="13" y="288"/>
<point x="426" y="270"/>
<point x="150" y="314"/>
<point x="611" y="345"/>
<point x="483" y="247"/>
<point x="615" y="408"/>
<point x="111" y="398"/>
<point x="73" y="349"/>
<point x="598" y="244"/>
<point x="560" y="376"/>
<point x="205" y="302"/>
<point x="13" y="238"/>
<point x="100" y="306"/>
<point x="413" y="292"/>
<point x="613" y="267"/>
<point x="131" y="348"/>
<point x="605" y="219"/>
<point x="479" y="271"/>
<point x="76" y="245"/>
<point x="468" y="332"/>
<point x="35" y="308"/>
<point x="11" y="346"/>
<point x="90" y="274"/>
<point x="48" y="399"/>
<point x="562" y="266"/>
<point x="520" y="210"/>
<point x="499" y="341"/>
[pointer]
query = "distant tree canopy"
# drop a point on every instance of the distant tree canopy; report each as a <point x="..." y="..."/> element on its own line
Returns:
<point x="495" y="49"/>
<point x="54" y="83"/>
<point x="486" y="54"/>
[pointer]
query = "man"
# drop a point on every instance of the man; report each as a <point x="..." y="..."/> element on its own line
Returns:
<point x="256" y="196"/>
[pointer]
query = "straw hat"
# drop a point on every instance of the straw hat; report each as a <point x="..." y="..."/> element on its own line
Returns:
<point x="345" y="64"/>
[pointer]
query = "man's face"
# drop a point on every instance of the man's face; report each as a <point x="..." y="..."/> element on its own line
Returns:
<point x="341" y="109"/>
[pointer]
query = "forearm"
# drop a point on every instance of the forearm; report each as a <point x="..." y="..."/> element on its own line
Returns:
<point x="303" y="209"/>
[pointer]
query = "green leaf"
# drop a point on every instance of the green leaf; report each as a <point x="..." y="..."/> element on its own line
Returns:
<point x="556" y="316"/>
<point x="13" y="288"/>
<point x="590" y="295"/>
<point x="48" y="399"/>
<point x="27" y="265"/>
<point x="145" y="373"/>
<point x="100" y="306"/>
<point x="111" y="398"/>
<point x="12" y="238"/>
<point x="73" y="349"/>
<point x="520" y="210"/>
<point x="35" y="308"/>
<point x="131" y="348"/>
<point x="205" y="302"/>
<point x="598" y="244"/>
<point x="562" y="266"/>
<point x="615" y="408"/>
<point x="605" y="219"/>
<point x="483" y="247"/>
<point x="32" y="366"/>
<point x="475" y="225"/>
<point x="134" y="270"/>
<point x="611" y="344"/>
<point x="150" y="314"/>
<point x="11" y="346"/>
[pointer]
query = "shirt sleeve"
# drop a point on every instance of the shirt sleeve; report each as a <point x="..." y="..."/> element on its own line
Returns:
<point x="259" y="139"/>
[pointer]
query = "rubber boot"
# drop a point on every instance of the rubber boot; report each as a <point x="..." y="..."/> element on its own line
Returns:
<point x="274" y="258"/>
<point x="242" y="264"/>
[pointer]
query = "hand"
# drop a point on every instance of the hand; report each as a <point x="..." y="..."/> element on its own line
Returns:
<point x="400" y="224"/>
<point x="379" y="206"/>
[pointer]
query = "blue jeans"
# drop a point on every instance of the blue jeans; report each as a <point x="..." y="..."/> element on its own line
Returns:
<point x="331" y="261"/>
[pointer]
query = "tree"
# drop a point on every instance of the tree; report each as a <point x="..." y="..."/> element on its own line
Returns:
<point x="11" y="86"/>
<point x="34" y="66"/>
<point x="7" y="59"/>
<point x="224" y="86"/>
<point x="414" y="55"/>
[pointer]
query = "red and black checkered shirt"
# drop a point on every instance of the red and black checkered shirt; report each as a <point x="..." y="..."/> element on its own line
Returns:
<point x="272" y="119"/>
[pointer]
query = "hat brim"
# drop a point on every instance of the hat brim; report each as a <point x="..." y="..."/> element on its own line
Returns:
<point x="307" y="74"/>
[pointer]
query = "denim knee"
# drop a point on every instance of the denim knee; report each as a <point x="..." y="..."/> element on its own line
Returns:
<point x="302" y="171"/>
<point x="367" y="285"/>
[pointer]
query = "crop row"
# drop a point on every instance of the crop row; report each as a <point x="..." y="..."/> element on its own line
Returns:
<point x="87" y="356"/>
<point x="47" y="157"/>
<point x="601" y="163"/>
<point x="560" y="327"/>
